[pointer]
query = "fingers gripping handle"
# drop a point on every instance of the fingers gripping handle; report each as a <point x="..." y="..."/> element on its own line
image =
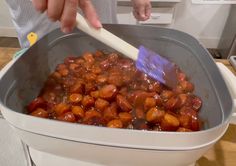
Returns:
<point x="230" y="80"/>
<point x="107" y="38"/>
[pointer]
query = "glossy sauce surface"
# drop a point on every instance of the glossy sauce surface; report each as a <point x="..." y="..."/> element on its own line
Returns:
<point x="106" y="89"/>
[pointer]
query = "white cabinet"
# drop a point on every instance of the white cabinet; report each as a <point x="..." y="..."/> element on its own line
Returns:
<point x="6" y="26"/>
<point x="125" y="16"/>
<point x="162" y="12"/>
<point x="160" y="16"/>
<point x="174" y="1"/>
<point x="214" y="1"/>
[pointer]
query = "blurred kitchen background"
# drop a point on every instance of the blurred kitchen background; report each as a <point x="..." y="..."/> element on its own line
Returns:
<point x="212" y="22"/>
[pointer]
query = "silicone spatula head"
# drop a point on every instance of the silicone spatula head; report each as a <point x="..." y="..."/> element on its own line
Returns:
<point x="157" y="67"/>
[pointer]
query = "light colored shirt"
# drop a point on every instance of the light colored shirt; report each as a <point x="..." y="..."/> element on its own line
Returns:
<point x="26" y="19"/>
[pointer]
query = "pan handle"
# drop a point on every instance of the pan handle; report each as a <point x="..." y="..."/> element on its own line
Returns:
<point x="230" y="80"/>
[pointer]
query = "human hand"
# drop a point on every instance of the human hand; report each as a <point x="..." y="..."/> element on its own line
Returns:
<point x="65" y="11"/>
<point x="142" y="9"/>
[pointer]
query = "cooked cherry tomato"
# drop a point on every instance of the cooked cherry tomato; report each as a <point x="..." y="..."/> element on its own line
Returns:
<point x="39" y="112"/>
<point x="106" y="89"/>
<point x="67" y="117"/>
<point x="36" y="103"/>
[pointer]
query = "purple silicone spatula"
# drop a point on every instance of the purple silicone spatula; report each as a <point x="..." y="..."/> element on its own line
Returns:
<point x="151" y="63"/>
